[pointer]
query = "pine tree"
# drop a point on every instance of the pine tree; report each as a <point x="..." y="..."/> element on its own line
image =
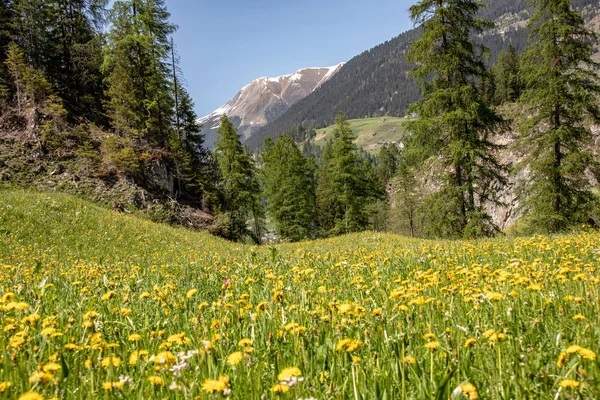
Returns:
<point x="290" y="189"/>
<point x="507" y="79"/>
<point x="238" y="184"/>
<point x="562" y="92"/>
<point x="454" y="120"/>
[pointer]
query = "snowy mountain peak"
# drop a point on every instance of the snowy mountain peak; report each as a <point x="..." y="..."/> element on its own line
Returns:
<point x="265" y="99"/>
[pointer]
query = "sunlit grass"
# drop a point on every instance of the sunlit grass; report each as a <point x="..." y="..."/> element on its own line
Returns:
<point x="96" y="303"/>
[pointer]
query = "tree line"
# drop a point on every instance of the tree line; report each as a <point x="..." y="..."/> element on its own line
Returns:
<point x="83" y="69"/>
<point x="554" y="86"/>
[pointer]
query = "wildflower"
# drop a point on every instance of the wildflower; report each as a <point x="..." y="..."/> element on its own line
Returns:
<point x="134" y="337"/>
<point x="216" y="385"/>
<point x="190" y="293"/>
<point x="429" y="336"/>
<point x="569" y="383"/>
<point x="409" y="360"/>
<point x="144" y="295"/>
<point x="587" y="354"/>
<point x="245" y="342"/>
<point x="111" y="361"/>
<point x="432" y="345"/>
<point x="4" y="386"/>
<point x="235" y="358"/>
<point x="156" y="380"/>
<point x="31" y="396"/>
<point x="165" y="357"/>
<point x="136" y="355"/>
<point x="349" y="345"/>
<point x="109" y="295"/>
<point x="494" y="297"/>
<point x="51" y="367"/>
<point x="470" y="391"/>
<point x="288" y="373"/>
<point x="90" y="315"/>
<point x="112" y="385"/>
<point x="470" y="342"/>
<point x="40" y="377"/>
<point x="561" y="359"/>
<point x="578" y="317"/>
<point x="279" y="388"/>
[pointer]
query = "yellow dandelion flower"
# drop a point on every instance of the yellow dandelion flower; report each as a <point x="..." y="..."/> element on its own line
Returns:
<point x="190" y="293"/>
<point x="470" y="391"/>
<point x="579" y="317"/>
<point x="31" y="396"/>
<point x="409" y="360"/>
<point x="470" y="342"/>
<point x="137" y="355"/>
<point x="279" y="388"/>
<point x="135" y="337"/>
<point x="235" y="358"/>
<point x="561" y="359"/>
<point x="349" y="345"/>
<point x="215" y="385"/>
<point x="429" y="336"/>
<point x="51" y="367"/>
<point x="587" y="354"/>
<point x="432" y="345"/>
<point x="164" y="357"/>
<point x="109" y="295"/>
<point x="111" y="361"/>
<point x="569" y="383"/>
<point x="40" y="377"/>
<point x="112" y="385"/>
<point x="144" y="295"/>
<point x="245" y="342"/>
<point x="288" y="373"/>
<point x="4" y="386"/>
<point x="156" y="380"/>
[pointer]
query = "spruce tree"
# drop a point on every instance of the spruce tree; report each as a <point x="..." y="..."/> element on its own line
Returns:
<point x="507" y="79"/>
<point x="290" y="189"/>
<point x="347" y="186"/>
<point x="137" y="64"/>
<point x="562" y="92"/>
<point x="239" y="186"/>
<point x="454" y="121"/>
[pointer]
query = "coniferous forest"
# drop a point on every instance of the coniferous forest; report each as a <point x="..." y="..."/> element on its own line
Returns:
<point x="96" y="95"/>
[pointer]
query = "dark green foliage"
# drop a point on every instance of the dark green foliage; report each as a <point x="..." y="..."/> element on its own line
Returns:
<point x="289" y="186"/>
<point x="507" y="79"/>
<point x="387" y="166"/>
<point x="346" y="186"/>
<point x="138" y="68"/>
<point x="561" y="92"/>
<point x="238" y="185"/>
<point x="454" y="121"/>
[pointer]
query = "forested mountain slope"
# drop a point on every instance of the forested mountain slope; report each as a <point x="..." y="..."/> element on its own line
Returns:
<point x="377" y="82"/>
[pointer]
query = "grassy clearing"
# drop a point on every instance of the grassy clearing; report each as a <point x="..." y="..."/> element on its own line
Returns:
<point x="99" y="304"/>
<point x="370" y="132"/>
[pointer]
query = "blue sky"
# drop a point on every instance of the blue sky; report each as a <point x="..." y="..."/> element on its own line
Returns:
<point x="225" y="44"/>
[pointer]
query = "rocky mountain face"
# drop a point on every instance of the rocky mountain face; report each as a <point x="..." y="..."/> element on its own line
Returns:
<point x="264" y="100"/>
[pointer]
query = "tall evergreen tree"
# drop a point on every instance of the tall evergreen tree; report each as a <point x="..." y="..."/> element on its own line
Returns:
<point x="507" y="79"/>
<point x="454" y="120"/>
<point x="562" y="92"/>
<point x="138" y="68"/>
<point x="289" y="188"/>
<point x="239" y="186"/>
<point x="347" y="185"/>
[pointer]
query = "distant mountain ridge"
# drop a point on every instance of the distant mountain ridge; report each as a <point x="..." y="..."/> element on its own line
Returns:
<point x="264" y="100"/>
<point x="377" y="82"/>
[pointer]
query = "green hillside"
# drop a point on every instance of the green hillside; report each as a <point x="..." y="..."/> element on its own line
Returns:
<point x="94" y="303"/>
<point x="371" y="133"/>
